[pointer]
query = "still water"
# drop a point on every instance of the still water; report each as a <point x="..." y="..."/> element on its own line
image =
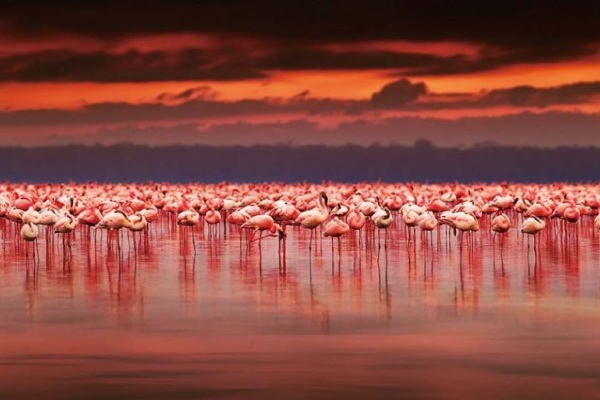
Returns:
<point x="419" y="319"/>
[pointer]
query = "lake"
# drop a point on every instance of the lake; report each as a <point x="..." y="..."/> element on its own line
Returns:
<point x="425" y="318"/>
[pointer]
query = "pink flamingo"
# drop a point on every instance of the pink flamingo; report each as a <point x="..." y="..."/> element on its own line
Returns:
<point x="532" y="226"/>
<point x="114" y="220"/>
<point x="382" y="219"/>
<point x="213" y="218"/>
<point x="65" y="225"/>
<point x="189" y="218"/>
<point x="356" y="220"/>
<point x="30" y="233"/>
<point x="427" y="222"/>
<point x="262" y="223"/>
<point x="500" y="224"/>
<point x="310" y="219"/>
<point x="335" y="229"/>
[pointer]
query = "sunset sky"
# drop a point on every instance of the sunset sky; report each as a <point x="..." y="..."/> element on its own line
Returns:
<point x="267" y="72"/>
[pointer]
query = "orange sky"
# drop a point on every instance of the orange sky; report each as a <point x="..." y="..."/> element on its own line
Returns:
<point x="285" y="84"/>
<point x="408" y="60"/>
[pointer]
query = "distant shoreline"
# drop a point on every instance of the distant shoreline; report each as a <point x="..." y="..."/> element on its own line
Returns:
<point x="423" y="162"/>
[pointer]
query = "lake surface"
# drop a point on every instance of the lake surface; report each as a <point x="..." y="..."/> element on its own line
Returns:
<point x="417" y="319"/>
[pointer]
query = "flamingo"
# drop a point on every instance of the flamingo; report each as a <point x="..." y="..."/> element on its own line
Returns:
<point x="150" y="213"/>
<point x="90" y="216"/>
<point x="368" y="208"/>
<point x="48" y="217"/>
<point x="539" y="210"/>
<point x="448" y="197"/>
<point x="503" y="202"/>
<point x="212" y="218"/>
<point x="427" y="222"/>
<point x="335" y="229"/>
<point x="15" y="214"/>
<point x="189" y="218"/>
<point x="340" y="210"/>
<point x="460" y="221"/>
<point x="597" y="223"/>
<point x="65" y="225"/>
<point x="114" y="220"/>
<point x="30" y="233"/>
<point x="261" y="223"/>
<point x="310" y="219"/>
<point x="500" y="224"/>
<point x="382" y="219"/>
<point x="410" y="218"/>
<point x="31" y="215"/>
<point x="521" y="205"/>
<point x="571" y="214"/>
<point x="532" y="226"/>
<point x="138" y="223"/>
<point x="356" y="220"/>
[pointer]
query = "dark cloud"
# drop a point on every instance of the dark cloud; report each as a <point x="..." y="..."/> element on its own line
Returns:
<point x="320" y="59"/>
<point x="302" y="95"/>
<point x="518" y="96"/>
<point x="199" y="103"/>
<point x="200" y="92"/>
<point x="548" y="129"/>
<point x="414" y="64"/>
<point x="217" y="64"/>
<point x="234" y="64"/>
<point x="514" y="23"/>
<point x="120" y="112"/>
<point x="529" y="96"/>
<point x="509" y="33"/>
<point x="398" y="93"/>
<point x="489" y="60"/>
<point x="130" y="66"/>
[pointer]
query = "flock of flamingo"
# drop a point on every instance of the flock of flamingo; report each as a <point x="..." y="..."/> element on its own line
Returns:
<point x="270" y="210"/>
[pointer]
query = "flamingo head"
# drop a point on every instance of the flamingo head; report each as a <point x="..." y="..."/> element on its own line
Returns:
<point x="324" y="196"/>
<point x="277" y="228"/>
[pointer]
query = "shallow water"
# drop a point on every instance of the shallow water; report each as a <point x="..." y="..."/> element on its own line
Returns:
<point x="425" y="318"/>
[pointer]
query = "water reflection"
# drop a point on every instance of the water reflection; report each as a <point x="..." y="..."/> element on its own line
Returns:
<point x="417" y="317"/>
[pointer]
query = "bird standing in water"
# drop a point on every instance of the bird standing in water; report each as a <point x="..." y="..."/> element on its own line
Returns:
<point x="335" y="229"/>
<point x="310" y="219"/>
<point x="29" y="233"/>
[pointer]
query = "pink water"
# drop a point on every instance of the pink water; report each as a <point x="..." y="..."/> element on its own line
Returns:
<point x="415" y="320"/>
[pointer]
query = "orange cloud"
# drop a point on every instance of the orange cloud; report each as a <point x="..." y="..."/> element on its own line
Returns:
<point x="535" y="75"/>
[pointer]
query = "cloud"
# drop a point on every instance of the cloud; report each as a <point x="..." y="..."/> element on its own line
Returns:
<point x="239" y="63"/>
<point x="291" y="37"/>
<point x="199" y="92"/>
<point x="199" y="103"/>
<point x="398" y="93"/>
<point x="230" y="64"/>
<point x="529" y="96"/>
<point x="227" y="134"/>
<point x="518" y="96"/>
<point x="121" y="112"/>
<point x="548" y="129"/>
<point x="512" y="23"/>
<point x="302" y="95"/>
<point x="299" y="58"/>
<point x="130" y="66"/>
